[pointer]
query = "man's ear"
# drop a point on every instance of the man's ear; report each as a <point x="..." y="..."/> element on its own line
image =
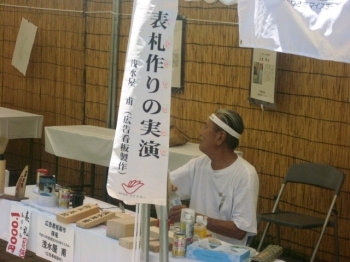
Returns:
<point x="221" y="137"/>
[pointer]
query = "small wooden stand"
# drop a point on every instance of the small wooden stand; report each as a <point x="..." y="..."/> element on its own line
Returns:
<point x="12" y="198"/>
<point x="20" y="187"/>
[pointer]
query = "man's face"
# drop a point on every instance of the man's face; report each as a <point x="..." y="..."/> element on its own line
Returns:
<point x="208" y="136"/>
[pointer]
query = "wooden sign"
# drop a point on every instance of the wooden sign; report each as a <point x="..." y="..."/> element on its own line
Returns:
<point x="95" y="219"/>
<point x="20" y="187"/>
<point x="78" y="213"/>
<point x="21" y="184"/>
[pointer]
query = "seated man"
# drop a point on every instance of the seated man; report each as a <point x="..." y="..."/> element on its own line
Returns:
<point x="221" y="185"/>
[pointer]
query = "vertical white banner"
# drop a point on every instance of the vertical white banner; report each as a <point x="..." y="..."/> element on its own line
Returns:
<point x="19" y="230"/>
<point x="139" y="162"/>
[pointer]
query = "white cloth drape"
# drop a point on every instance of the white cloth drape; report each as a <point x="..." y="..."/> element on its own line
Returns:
<point x="313" y="28"/>
<point x="139" y="161"/>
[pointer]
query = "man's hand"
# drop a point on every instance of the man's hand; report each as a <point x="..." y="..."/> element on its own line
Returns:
<point x="175" y="213"/>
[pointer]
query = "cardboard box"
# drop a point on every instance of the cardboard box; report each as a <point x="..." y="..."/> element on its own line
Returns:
<point x="236" y="254"/>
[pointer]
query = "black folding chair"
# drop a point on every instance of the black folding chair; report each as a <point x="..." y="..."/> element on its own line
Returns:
<point x="318" y="175"/>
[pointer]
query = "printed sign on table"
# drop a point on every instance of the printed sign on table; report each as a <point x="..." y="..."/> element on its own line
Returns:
<point x="19" y="230"/>
<point x="55" y="240"/>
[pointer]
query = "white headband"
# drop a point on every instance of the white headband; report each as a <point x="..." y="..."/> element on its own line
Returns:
<point x="221" y="124"/>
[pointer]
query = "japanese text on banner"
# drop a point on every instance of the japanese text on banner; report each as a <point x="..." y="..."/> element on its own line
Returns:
<point x="139" y="162"/>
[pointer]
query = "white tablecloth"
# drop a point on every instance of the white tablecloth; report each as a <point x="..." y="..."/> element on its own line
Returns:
<point x="85" y="143"/>
<point x="90" y="245"/>
<point x="92" y="144"/>
<point x="18" y="124"/>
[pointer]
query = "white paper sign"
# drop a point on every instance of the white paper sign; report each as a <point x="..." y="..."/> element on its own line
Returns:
<point x="55" y="240"/>
<point x="19" y="230"/>
<point x="263" y="75"/>
<point x="24" y="45"/>
<point x="176" y="63"/>
<point x="313" y="28"/>
<point x="139" y="161"/>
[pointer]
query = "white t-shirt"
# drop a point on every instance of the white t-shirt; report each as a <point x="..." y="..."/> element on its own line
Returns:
<point x="229" y="194"/>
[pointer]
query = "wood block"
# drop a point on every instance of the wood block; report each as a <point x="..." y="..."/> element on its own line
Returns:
<point x="128" y="242"/>
<point x="78" y="213"/>
<point x="123" y="227"/>
<point x="120" y="227"/>
<point x="153" y="222"/>
<point x="123" y="215"/>
<point x="154" y="232"/>
<point x="154" y="244"/>
<point x="95" y="219"/>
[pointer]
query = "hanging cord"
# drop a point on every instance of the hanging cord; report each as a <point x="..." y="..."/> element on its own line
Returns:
<point x="137" y="235"/>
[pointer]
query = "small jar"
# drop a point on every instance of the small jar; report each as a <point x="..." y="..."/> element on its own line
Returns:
<point x="78" y="198"/>
<point x="40" y="172"/>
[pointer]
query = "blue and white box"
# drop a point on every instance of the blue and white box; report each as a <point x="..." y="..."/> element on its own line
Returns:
<point x="203" y="250"/>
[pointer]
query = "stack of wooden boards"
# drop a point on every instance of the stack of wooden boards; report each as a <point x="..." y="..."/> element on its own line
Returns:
<point x="122" y="228"/>
<point x="119" y="225"/>
<point x="85" y="216"/>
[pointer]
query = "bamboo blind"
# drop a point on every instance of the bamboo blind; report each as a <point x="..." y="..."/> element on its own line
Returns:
<point x="67" y="82"/>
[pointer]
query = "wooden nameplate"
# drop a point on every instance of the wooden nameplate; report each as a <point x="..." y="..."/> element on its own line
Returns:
<point x="95" y="219"/>
<point x="77" y="213"/>
<point x="12" y="198"/>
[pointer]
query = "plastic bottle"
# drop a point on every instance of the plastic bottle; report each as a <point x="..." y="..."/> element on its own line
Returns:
<point x="174" y="200"/>
<point x="187" y="223"/>
<point x="200" y="228"/>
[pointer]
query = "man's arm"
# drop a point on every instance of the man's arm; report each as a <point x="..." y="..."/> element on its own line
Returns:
<point x="225" y="228"/>
<point x="222" y="227"/>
